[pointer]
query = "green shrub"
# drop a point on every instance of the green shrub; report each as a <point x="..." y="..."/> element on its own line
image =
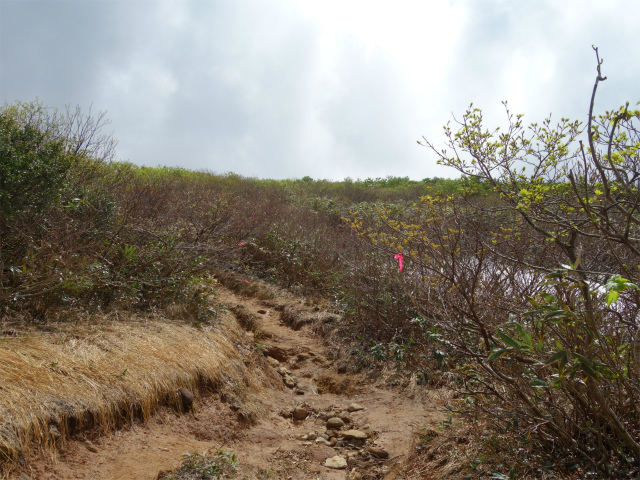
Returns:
<point x="33" y="169"/>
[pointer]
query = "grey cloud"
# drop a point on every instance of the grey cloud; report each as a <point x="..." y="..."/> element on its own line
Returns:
<point x="241" y="85"/>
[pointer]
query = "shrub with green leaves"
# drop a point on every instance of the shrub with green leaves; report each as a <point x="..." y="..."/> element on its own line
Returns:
<point x="33" y="169"/>
<point x="535" y="287"/>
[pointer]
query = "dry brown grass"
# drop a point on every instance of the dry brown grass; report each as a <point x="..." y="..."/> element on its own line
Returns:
<point x="103" y="375"/>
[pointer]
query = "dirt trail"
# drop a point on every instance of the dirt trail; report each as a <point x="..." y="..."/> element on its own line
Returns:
<point x="277" y="446"/>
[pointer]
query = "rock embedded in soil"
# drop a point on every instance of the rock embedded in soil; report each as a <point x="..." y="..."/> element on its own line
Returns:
<point x="334" y="423"/>
<point x="90" y="446"/>
<point x="300" y="413"/>
<point x="290" y="381"/>
<point x="322" y="441"/>
<point x="378" y="452"/>
<point x="276" y="352"/>
<point x="355" y="407"/>
<point x="336" y="462"/>
<point x="186" y="397"/>
<point x="354" y="434"/>
<point x="344" y="416"/>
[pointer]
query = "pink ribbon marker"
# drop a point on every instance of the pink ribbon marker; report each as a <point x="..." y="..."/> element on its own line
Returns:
<point x="399" y="258"/>
<point x="246" y="281"/>
<point x="241" y="243"/>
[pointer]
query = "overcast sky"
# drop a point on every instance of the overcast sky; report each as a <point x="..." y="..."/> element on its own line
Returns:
<point x="329" y="89"/>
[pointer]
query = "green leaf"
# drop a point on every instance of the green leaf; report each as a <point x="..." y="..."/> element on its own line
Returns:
<point x="539" y="384"/>
<point x="508" y="340"/>
<point x="526" y="338"/>
<point x="555" y="357"/>
<point x="497" y="354"/>
<point x="555" y="275"/>
<point x="562" y="357"/>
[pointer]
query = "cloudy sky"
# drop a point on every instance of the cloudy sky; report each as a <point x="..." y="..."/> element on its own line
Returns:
<point x="329" y="89"/>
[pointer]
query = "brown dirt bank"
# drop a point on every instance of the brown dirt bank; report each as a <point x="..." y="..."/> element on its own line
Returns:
<point x="248" y="385"/>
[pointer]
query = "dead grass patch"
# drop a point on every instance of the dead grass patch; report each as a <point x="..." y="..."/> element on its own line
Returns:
<point x="104" y="375"/>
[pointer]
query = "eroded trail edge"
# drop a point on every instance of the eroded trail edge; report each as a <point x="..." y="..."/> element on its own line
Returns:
<point x="316" y="422"/>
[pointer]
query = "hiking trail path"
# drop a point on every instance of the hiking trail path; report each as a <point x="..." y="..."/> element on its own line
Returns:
<point x="277" y="446"/>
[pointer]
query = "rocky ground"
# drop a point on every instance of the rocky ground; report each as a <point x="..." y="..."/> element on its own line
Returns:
<point x="321" y="424"/>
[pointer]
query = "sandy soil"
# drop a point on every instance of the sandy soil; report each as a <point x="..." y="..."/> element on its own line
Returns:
<point x="272" y="447"/>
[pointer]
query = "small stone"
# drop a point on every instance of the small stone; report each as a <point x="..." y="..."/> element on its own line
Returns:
<point x="344" y="416"/>
<point x="332" y="433"/>
<point x="289" y="381"/>
<point x="357" y="442"/>
<point x="335" y="423"/>
<point x="187" y="398"/>
<point x="368" y="430"/>
<point x="333" y="441"/>
<point x="336" y="462"/>
<point x="300" y="413"/>
<point x="322" y="441"/>
<point x="283" y="371"/>
<point x="312" y="436"/>
<point x="354" y="434"/>
<point x="378" y="452"/>
<point x="90" y="446"/>
<point x="354" y="407"/>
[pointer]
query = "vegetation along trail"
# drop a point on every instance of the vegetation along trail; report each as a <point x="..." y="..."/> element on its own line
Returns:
<point x="314" y="422"/>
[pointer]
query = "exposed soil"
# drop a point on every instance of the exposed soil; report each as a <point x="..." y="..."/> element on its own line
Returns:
<point x="274" y="446"/>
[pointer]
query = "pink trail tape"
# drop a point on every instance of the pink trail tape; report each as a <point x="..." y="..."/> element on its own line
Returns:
<point x="399" y="258"/>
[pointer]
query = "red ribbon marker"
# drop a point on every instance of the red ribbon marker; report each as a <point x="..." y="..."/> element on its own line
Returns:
<point x="241" y="243"/>
<point x="246" y="281"/>
<point x="399" y="258"/>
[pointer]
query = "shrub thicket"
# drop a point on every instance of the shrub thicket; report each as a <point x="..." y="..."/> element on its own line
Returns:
<point x="532" y="293"/>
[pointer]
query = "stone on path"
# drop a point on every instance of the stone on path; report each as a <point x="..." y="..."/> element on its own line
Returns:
<point x="334" y="423"/>
<point x="300" y="413"/>
<point x="378" y="452"/>
<point x="336" y="462"/>
<point x="357" y="434"/>
<point x="355" y="407"/>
